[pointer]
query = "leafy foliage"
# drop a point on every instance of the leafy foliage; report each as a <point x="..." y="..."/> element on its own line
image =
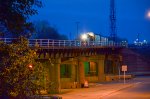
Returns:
<point x="14" y="15"/>
<point x="45" y="31"/>
<point x="20" y="74"/>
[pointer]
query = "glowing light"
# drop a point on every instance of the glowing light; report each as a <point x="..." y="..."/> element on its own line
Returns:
<point x="91" y="34"/>
<point x="135" y="42"/>
<point x="84" y="36"/>
<point x="148" y="14"/>
<point x="30" y="66"/>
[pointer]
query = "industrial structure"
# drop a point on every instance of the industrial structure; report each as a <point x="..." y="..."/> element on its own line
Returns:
<point x="113" y="30"/>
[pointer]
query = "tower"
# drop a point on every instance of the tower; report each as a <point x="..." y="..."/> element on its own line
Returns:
<point x="113" y="32"/>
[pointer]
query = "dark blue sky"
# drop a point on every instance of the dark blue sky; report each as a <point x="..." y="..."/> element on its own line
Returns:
<point x="93" y="16"/>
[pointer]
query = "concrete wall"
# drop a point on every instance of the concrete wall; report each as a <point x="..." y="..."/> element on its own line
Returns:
<point x="136" y="60"/>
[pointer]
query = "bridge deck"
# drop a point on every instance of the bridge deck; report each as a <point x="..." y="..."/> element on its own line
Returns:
<point x="65" y="44"/>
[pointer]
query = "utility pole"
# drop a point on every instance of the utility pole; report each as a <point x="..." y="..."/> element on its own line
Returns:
<point x="113" y="32"/>
<point x="77" y="26"/>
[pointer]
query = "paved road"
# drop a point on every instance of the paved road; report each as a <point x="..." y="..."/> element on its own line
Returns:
<point x="140" y="90"/>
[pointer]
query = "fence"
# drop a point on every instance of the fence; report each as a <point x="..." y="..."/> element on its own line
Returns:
<point x="65" y="43"/>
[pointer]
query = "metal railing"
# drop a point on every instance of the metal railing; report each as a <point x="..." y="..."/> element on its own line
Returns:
<point x="65" y="43"/>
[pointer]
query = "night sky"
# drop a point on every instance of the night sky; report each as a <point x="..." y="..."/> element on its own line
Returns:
<point x="93" y="16"/>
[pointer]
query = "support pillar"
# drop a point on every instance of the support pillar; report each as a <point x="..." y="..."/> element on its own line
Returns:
<point x="81" y="74"/>
<point x="74" y="75"/>
<point x="73" y="72"/>
<point x="101" y="75"/>
<point x="117" y="67"/>
<point x="55" y="86"/>
<point x="115" y="60"/>
<point x="113" y="66"/>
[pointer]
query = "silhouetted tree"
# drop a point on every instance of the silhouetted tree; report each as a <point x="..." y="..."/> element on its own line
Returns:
<point x="15" y="13"/>
<point x="45" y="31"/>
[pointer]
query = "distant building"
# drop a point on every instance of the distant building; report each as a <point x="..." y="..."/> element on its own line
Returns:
<point x="140" y="43"/>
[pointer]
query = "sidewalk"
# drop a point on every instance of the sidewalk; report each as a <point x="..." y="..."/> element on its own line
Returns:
<point x="95" y="90"/>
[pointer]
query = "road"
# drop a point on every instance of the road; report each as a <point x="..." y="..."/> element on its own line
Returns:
<point x="140" y="90"/>
<point x="137" y="88"/>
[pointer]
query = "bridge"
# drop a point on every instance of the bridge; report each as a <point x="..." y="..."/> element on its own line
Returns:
<point x="49" y="48"/>
<point x="68" y="63"/>
<point x="70" y="48"/>
<point x="51" y="43"/>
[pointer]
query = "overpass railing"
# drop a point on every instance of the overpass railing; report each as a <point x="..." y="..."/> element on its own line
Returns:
<point x="65" y="43"/>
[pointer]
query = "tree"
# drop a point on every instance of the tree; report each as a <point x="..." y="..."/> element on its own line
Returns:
<point x="20" y="73"/>
<point x="15" y="13"/>
<point x="45" y="31"/>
